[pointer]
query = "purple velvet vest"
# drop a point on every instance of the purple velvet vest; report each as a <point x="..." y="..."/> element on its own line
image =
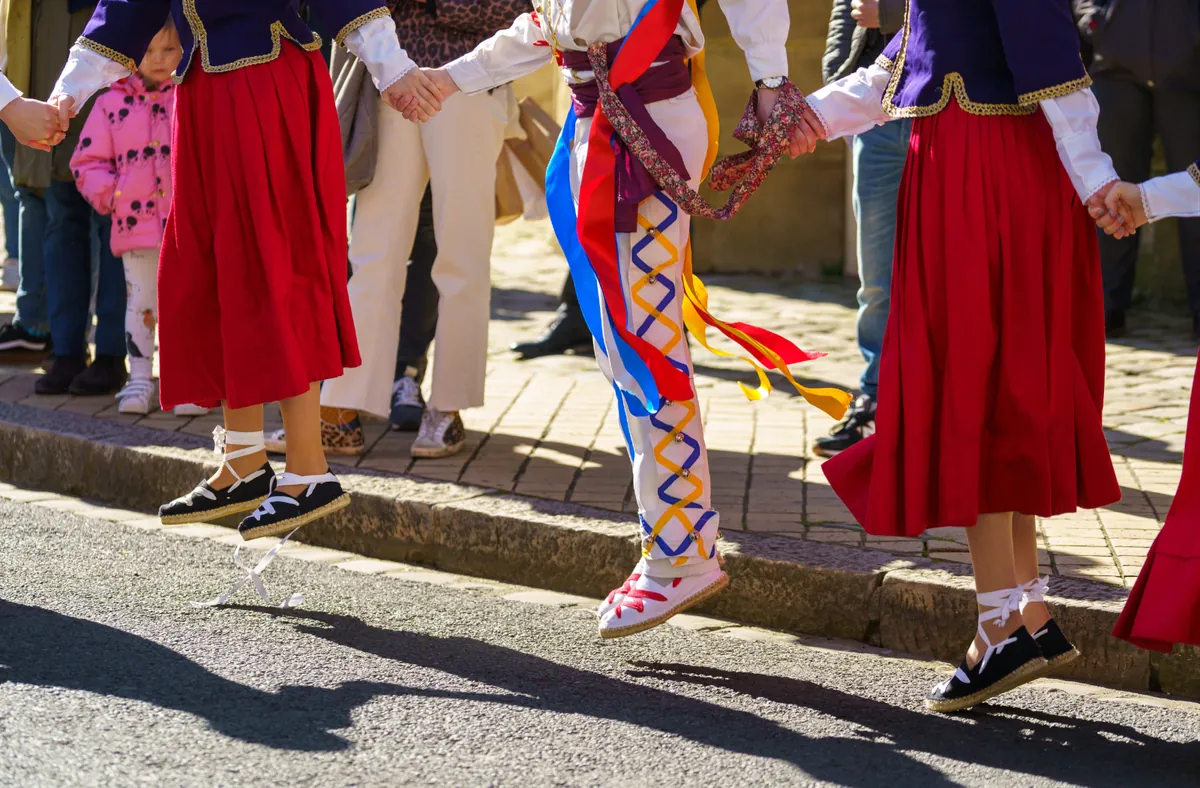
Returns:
<point x="996" y="57"/>
<point x="231" y="33"/>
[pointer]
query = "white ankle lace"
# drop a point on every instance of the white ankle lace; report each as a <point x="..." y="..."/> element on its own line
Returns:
<point x="253" y="441"/>
<point x="1005" y="602"/>
<point x="254" y="577"/>
<point x="1034" y="591"/>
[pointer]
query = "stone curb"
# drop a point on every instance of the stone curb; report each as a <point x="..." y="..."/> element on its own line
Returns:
<point x="911" y="605"/>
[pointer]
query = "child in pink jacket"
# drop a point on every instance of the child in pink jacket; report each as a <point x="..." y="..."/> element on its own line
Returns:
<point x="122" y="166"/>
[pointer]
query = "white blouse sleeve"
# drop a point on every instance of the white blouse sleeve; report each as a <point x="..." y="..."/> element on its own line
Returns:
<point x="376" y="45"/>
<point x="760" y="28"/>
<point x="506" y="56"/>
<point x="87" y="72"/>
<point x="1073" y="120"/>
<point x="853" y="104"/>
<point x="8" y="93"/>
<point x="1171" y="195"/>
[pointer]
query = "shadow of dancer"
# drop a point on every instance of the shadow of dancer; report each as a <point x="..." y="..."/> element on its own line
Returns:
<point x="1038" y="744"/>
<point x="44" y="648"/>
<point x="544" y="685"/>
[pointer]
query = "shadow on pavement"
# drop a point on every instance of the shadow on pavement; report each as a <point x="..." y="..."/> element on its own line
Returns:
<point x="1045" y="746"/>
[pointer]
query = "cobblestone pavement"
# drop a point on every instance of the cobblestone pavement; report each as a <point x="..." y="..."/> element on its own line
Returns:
<point x="549" y="430"/>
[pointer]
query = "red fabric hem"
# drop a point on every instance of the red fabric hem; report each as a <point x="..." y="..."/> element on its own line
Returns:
<point x="1164" y="605"/>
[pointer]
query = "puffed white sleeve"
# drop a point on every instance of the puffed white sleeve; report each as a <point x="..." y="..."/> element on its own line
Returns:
<point x="506" y="56"/>
<point x="1073" y="119"/>
<point x="853" y="104"/>
<point x="1177" y="194"/>
<point x="87" y="73"/>
<point x="760" y="28"/>
<point x="376" y="45"/>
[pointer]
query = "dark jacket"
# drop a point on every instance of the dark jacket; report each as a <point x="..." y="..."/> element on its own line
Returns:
<point x="1157" y="42"/>
<point x="849" y="47"/>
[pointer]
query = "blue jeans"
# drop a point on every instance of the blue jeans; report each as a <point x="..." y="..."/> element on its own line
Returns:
<point x="30" y="236"/>
<point x="878" y="157"/>
<point x="68" y="258"/>
<point x="8" y="196"/>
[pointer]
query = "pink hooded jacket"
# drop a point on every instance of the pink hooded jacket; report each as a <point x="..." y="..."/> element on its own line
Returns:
<point x="122" y="165"/>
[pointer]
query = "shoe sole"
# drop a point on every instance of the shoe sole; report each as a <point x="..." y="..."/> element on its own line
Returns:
<point x="284" y="526"/>
<point x="620" y="632"/>
<point x="434" y="454"/>
<point x="212" y="514"/>
<point x="826" y="453"/>
<point x="1058" y="663"/>
<point x="1031" y="670"/>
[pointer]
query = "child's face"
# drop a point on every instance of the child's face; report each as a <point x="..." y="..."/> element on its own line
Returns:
<point x="162" y="57"/>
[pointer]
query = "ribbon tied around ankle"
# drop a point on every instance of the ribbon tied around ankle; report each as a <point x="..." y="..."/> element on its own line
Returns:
<point x="254" y="577"/>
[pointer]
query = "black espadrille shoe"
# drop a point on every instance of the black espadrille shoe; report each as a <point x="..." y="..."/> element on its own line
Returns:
<point x="205" y="504"/>
<point x="1056" y="649"/>
<point x="281" y="513"/>
<point x="1005" y="665"/>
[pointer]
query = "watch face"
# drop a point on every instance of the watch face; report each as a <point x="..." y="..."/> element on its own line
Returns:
<point x="772" y="83"/>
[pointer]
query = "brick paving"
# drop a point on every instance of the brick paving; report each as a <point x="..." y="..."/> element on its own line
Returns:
<point x="549" y="430"/>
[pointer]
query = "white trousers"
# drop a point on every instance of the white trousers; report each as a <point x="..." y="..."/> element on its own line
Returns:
<point x="457" y="152"/>
<point x="670" y="461"/>
<point x="141" y="301"/>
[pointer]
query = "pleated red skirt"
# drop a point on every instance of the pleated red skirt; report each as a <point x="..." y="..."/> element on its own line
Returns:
<point x="992" y="374"/>
<point x="1164" y="606"/>
<point x="252" y="280"/>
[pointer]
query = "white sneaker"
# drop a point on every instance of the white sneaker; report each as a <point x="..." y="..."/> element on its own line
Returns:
<point x="138" y="396"/>
<point x="652" y="600"/>
<point x="441" y="435"/>
<point x="188" y="411"/>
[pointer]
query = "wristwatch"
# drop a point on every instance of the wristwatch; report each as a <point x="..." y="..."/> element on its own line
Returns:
<point x="771" y="83"/>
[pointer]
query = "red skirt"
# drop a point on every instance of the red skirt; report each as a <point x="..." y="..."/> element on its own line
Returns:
<point x="991" y="381"/>
<point x="1164" y="606"/>
<point x="252" y="297"/>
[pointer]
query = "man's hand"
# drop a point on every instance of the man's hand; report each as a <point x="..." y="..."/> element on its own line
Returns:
<point x="865" y="12"/>
<point x="33" y="123"/>
<point x="415" y="96"/>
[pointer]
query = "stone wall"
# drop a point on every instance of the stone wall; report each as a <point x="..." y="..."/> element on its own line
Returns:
<point x="796" y="222"/>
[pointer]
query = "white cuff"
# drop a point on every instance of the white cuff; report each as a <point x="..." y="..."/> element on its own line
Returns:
<point x="8" y="93"/>
<point x="1171" y="195"/>
<point x="87" y="72"/>
<point x="376" y="45"/>
<point x="853" y="104"/>
<point x="1073" y="120"/>
<point x="469" y="74"/>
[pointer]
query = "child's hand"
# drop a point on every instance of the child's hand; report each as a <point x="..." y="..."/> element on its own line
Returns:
<point x="415" y="96"/>
<point x="1125" y="199"/>
<point x="33" y="123"/>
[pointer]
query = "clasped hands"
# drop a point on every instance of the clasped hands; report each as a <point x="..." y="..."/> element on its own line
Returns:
<point x="419" y="94"/>
<point x="36" y="124"/>
<point x="1118" y="209"/>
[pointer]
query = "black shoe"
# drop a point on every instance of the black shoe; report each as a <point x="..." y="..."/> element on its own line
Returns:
<point x="858" y="424"/>
<point x="565" y="335"/>
<point x="1017" y="661"/>
<point x="280" y="513"/>
<point x="57" y="379"/>
<point x="105" y="375"/>
<point x="204" y="504"/>
<point x="408" y="404"/>
<point x="1056" y="649"/>
<point x="1114" y="324"/>
<point x="19" y="346"/>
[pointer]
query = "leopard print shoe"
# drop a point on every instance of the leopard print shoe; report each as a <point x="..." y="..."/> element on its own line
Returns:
<point x="341" y="434"/>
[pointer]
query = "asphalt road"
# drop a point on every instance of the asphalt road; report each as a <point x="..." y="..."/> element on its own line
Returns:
<point x="108" y="676"/>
